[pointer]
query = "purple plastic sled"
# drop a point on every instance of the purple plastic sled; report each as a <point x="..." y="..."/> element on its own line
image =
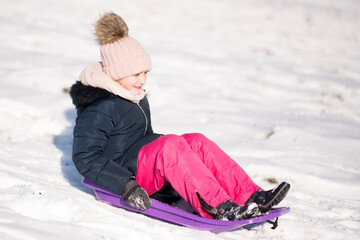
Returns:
<point x="170" y="214"/>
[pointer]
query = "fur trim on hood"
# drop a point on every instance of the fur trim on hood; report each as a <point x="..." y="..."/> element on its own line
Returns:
<point x="82" y="96"/>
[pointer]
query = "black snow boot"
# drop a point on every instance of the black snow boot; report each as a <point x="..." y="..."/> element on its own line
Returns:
<point x="232" y="211"/>
<point x="267" y="199"/>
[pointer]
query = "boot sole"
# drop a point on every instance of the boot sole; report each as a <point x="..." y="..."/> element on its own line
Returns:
<point x="277" y="199"/>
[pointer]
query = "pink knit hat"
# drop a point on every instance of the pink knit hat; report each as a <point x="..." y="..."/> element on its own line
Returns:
<point x="121" y="55"/>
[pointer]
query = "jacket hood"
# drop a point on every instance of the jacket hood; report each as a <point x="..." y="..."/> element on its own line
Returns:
<point x="82" y="96"/>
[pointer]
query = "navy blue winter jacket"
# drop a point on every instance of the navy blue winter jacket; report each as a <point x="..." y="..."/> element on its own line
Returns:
<point x="108" y="135"/>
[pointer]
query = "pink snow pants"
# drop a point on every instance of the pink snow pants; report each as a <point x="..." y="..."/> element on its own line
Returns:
<point x="193" y="164"/>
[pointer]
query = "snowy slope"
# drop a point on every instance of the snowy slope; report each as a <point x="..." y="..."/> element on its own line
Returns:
<point x="275" y="83"/>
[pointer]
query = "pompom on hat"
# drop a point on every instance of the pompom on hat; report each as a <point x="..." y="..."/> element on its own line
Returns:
<point x="121" y="54"/>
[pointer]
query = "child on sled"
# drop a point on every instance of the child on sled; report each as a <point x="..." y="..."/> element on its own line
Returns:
<point x="115" y="147"/>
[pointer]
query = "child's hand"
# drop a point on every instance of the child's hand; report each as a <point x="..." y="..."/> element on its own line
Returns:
<point x="136" y="196"/>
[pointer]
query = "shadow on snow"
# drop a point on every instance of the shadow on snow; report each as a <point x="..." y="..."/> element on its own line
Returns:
<point x="63" y="142"/>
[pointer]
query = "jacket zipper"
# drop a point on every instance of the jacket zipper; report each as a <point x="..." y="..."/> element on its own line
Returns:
<point x="146" y="120"/>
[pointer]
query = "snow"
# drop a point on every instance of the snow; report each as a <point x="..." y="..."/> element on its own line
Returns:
<point x="275" y="83"/>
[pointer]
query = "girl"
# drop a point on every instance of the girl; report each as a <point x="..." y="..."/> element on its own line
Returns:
<point x="115" y="147"/>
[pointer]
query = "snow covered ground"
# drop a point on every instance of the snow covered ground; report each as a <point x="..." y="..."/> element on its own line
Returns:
<point x="275" y="83"/>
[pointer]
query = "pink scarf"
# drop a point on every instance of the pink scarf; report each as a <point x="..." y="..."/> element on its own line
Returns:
<point x="94" y="76"/>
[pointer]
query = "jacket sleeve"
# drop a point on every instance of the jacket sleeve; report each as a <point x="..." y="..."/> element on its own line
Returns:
<point x="92" y="130"/>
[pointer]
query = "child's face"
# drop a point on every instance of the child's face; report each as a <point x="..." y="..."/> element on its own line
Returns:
<point x="133" y="83"/>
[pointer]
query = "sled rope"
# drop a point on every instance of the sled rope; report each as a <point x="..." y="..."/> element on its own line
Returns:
<point x="274" y="223"/>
